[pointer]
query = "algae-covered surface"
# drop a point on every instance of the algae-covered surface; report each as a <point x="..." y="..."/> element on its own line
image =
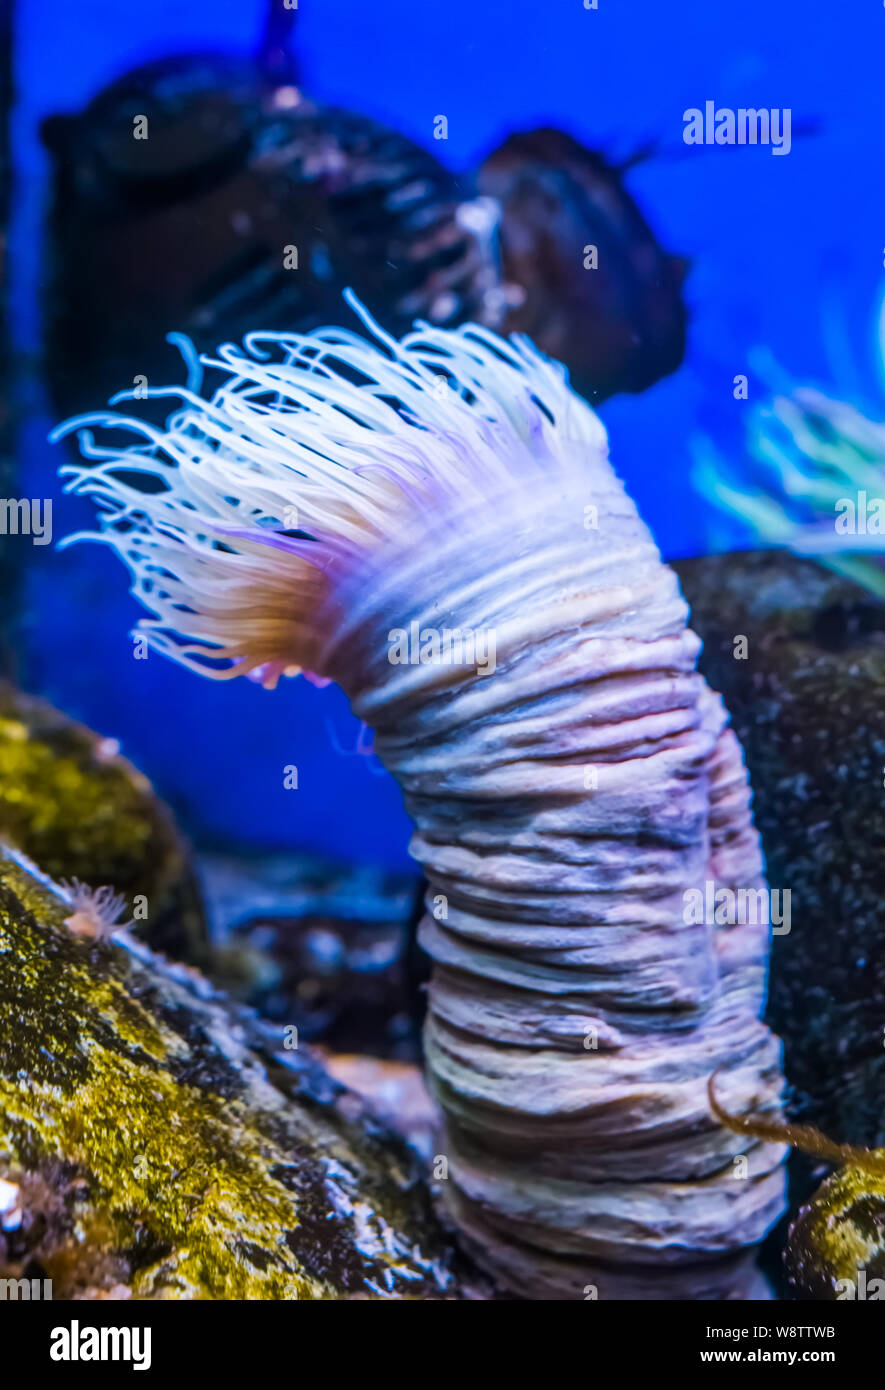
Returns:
<point x="168" y="1145"/>
<point x="78" y="809"/>
<point x="836" y="1246"/>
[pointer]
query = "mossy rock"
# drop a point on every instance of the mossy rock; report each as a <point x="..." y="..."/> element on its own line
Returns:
<point x="79" y="810"/>
<point x="836" y="1245"/>
<point x="166" y="1144"/>
<point x="807" y="701"/>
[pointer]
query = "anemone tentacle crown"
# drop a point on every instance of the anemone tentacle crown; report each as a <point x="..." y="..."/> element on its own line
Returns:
<point x="570" y="775"/>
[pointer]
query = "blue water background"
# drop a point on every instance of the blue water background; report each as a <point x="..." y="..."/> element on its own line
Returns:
<point x="787" y="253"/>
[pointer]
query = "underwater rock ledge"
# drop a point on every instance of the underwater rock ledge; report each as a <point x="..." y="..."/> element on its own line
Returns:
<point x="164" y="1144"/>
<point x="807" y="705"/>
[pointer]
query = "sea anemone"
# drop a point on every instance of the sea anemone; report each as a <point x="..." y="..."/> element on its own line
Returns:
<point x="821" y="486"/>
<point x="434" y="524"/>
<point x="96" y="911"/>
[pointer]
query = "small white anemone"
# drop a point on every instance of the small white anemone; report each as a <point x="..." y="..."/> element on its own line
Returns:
<point x="96" y="911"/>
<point x="315" y="451"/>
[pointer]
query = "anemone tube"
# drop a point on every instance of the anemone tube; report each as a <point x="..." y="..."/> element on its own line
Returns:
<point x="434" y="524"/>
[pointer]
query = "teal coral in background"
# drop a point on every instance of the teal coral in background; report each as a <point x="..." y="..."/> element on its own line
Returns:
<point x="818" y="481"/>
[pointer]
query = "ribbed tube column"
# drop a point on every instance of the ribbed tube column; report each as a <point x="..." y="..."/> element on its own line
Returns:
<point x="434" y="524"/>
<point x="564" y="802"/>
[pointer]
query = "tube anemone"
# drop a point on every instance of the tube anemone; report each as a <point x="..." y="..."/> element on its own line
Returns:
<point x="434" y="524"/>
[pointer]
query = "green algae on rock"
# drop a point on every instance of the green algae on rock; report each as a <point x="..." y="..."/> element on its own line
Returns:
<point x="79" y="810"/>
<point x="807" y="700"/>
<point x="165" y="1144"/>
<point x="836" y="1246"/>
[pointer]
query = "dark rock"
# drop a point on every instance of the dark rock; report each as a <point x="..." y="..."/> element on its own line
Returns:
<point x="619" y="326"/>
<point x="808" y="704"/>
<point x="192" y="227"/>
